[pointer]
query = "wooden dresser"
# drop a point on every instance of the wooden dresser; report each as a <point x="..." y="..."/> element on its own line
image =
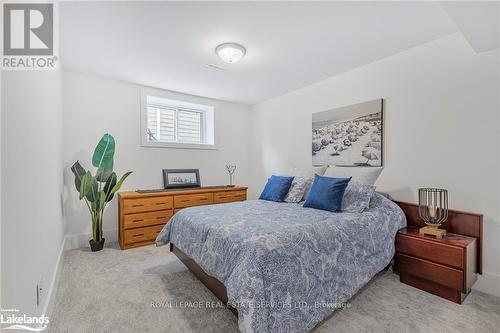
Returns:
<point x="446" y="267"/>
<point x="141" y="216"/>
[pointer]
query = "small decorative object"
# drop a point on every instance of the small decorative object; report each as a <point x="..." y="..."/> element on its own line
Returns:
<point x="181" y="178"/>
<point x="98" y="190"/>
<point x="433" y="210"/>
<point x="230" y="170"/>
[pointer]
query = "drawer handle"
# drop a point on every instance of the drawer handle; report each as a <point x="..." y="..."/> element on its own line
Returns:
<point x="137" y="205"/>
<point x="223" y="197"/>
<point x="161" y="217"/>
<point x="138" y="235"/>
<point x="138" y="220"/>
<point x="161" y="203"/>
<point x="185" y="200"/>
<point x="203" y="199"/>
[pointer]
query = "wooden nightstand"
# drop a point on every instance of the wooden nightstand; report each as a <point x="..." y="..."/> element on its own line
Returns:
<point x="445" y="267"/>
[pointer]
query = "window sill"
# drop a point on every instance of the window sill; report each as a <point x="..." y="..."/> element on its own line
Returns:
<point x="179" y="145"/>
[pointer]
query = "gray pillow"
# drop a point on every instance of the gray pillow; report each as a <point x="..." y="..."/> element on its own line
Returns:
<point x="308" y="188"/>
<point x="357" y="197"/>
<point x="297" y="189"/>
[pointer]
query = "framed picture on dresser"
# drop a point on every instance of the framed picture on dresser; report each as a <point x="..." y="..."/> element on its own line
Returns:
<point x="181" y="178"/>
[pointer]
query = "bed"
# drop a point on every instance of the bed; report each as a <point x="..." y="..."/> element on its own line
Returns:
<point x="283" y="267"/>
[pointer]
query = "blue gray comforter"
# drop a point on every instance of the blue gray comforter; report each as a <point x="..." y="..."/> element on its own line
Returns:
<point x="286" y="267"/>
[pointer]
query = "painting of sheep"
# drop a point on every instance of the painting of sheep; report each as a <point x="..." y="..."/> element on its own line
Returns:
<point x="349" y="136"/>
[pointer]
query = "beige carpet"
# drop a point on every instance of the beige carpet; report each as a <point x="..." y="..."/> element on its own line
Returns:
<point x="114" y="291"/>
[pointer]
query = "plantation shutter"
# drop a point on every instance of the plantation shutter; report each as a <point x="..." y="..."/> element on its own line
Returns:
<point x="161" y="123"/>
<point x="173" y="124"/>
<point x="167" y="124"/>
<point x="189" y="126"/>
<point x="152" y="133"/>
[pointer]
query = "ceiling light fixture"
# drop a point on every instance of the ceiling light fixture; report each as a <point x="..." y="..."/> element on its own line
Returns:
<point x="230" y="52"/>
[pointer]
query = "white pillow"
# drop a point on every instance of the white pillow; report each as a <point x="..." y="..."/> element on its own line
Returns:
<point x="363" y="175"/>
<point x="315" y="170"/>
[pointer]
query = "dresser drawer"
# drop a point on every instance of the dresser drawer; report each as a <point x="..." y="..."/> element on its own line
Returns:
<point x="443" y="275"/>
<point x="147" y="204"/>
<point x="188" y="200"/>
<point x="142" y="234"/>
<point x="146" y="219"/>
<point x="440" y="253"/>
<point x="221" y="197"/>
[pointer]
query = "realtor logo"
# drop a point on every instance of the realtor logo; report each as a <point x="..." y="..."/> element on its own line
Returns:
<point x="28" y="29"/>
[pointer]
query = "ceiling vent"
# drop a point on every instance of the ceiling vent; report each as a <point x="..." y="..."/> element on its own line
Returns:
<point x="215" y="67"/>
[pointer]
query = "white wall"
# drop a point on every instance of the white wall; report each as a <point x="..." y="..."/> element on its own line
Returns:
<point x="93" y="106"/>
<point x="32" y="227"/>
<point x="1" y="304"/>
<point x="441" y="129"/>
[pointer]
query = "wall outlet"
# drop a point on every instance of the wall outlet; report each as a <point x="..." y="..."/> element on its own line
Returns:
<point x="39" y="292"/>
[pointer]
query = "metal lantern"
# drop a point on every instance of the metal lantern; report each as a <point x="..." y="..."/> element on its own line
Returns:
<point x="433" y="210"/>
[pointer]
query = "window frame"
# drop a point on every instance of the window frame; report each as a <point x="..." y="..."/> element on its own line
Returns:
<point x="208" y="121"/>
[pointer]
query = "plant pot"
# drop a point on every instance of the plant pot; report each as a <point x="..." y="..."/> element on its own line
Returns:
<point x="96" y="245"/>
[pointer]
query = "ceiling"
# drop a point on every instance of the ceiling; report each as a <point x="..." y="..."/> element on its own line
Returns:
<point x="289" y="45"/>
<point x="478" y="21"/>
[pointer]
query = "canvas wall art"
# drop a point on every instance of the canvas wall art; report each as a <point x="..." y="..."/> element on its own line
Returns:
<point x="349" y="136"/>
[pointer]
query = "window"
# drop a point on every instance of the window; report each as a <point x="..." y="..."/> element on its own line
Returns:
<point x="173" y="123"/>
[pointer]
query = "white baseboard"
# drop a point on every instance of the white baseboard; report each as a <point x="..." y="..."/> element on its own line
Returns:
<point x="82" y="240"/>
<point x="54" y="283"/>
<point x="488" y="283"/>
<point x="69" y="242"/>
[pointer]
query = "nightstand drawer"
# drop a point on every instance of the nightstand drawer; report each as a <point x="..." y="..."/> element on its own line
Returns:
<point x="146" y="219"/>
<point x="427" y="249"/>
<point x="189" y="200"/>
<point x="146" y="204"/>
<point x="443" y="275"/>
<point x="142" y="234"/>
<point x="230" y="196"/>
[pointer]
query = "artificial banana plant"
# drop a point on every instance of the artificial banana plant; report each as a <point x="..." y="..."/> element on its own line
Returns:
<point x="98" y="190"/>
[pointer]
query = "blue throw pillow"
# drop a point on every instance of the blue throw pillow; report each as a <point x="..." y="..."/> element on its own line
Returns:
<point x="327" y="193"/>
<point x="276" y="188"/>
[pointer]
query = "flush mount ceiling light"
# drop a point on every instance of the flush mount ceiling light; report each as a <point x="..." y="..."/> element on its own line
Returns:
<point x="230" y="52"/>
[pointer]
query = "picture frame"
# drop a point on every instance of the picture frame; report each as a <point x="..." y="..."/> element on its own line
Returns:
<point x="181" y="178"/>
